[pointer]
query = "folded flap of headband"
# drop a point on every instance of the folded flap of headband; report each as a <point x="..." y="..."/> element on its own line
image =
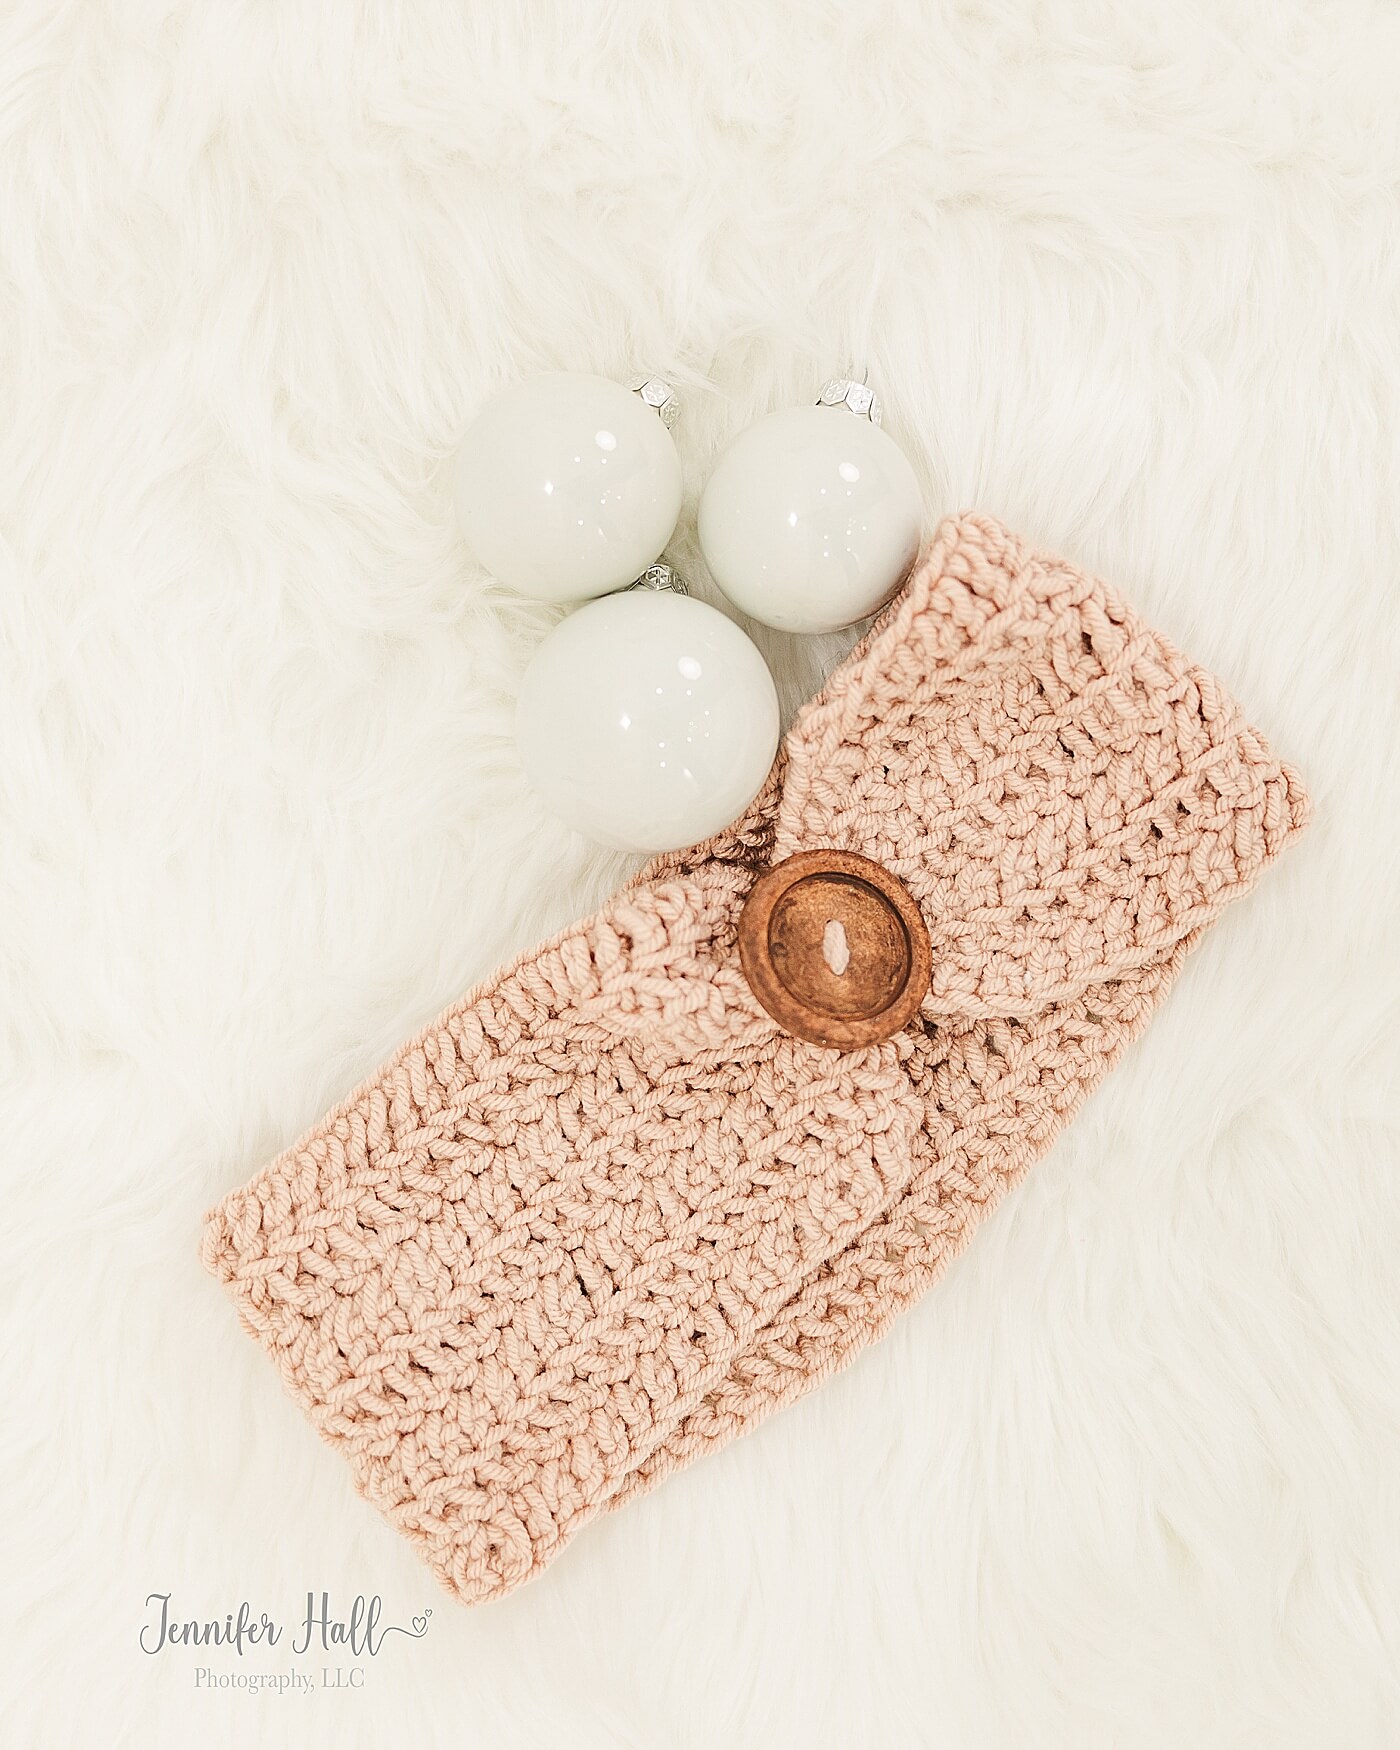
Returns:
<point x="1062" y="792"/>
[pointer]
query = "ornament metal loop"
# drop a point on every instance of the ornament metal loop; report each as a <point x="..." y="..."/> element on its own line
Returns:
<point x="662" y="579"/>
<point x="659" y="395"/>
<point x="857" y="398"/>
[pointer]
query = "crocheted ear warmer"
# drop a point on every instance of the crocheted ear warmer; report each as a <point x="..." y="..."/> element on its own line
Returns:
<point x="606" y="1212"/>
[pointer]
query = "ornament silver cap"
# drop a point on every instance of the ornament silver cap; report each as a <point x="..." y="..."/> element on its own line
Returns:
<point x="857" y="398"/>
<point x="661" y="579"/>
<point x="658" y="394"/>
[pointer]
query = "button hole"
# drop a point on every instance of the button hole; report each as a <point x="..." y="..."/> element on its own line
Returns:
<point x="836" y="950"/>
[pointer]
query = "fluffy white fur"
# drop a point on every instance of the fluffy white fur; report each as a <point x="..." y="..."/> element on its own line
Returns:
<point x="1128" y="276"/>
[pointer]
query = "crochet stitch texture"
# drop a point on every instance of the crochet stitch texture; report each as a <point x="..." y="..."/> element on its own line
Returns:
<point x="603" y="1214"/>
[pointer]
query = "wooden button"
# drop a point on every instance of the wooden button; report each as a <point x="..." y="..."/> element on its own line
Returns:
<point x="835" y="949"/>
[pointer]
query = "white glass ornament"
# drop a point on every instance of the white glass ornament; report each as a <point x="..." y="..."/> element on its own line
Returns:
<point x="811" y="518"/>
<point x="568" y="486"/>
<point x="647" y="720"/>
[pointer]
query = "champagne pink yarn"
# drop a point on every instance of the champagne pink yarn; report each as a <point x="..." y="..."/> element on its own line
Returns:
<point x="603" y="1214"/>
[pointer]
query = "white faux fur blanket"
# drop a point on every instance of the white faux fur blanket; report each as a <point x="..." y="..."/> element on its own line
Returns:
<point x="1127" y="277"/>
